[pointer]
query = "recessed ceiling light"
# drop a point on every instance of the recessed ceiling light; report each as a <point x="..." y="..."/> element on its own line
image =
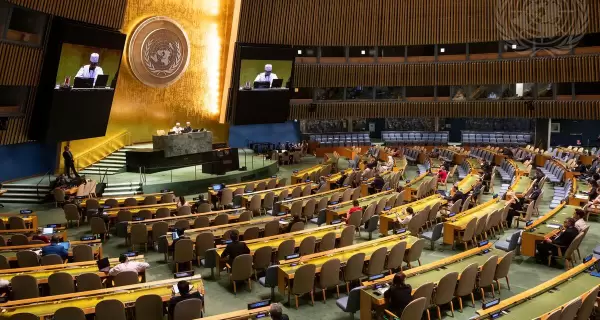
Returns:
<point x="514" y="46"/>
<point x="442" y="50"/>
<point x="299" y="51"/>
<point x="363" y="52"/>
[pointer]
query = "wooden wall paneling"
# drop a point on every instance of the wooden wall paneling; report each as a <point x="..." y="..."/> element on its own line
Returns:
<point x="20" y="64"/>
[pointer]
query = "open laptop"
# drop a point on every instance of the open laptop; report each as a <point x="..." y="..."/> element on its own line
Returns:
<point x="217" y="187"/>
<point x="262" y="84"/>
<point x="47" y="231"/>
<point x="101" y="81"/>
<point x="65" y="245"/>
<point x="277" y="83"/>
<point x="83" y="83"/>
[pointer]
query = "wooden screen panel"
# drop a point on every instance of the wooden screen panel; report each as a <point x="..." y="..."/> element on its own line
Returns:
<point x="392" y="22"/>
<point x="107" y="13"/>
<point x="18" y="128"/>
<point x="545" y="69"/>
<point x="474" y="109"/>
<point x="20" y="65"/>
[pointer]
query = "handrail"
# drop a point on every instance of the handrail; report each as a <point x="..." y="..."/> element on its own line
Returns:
<point x="37" y="186"/>
<point x="127" y="142"/>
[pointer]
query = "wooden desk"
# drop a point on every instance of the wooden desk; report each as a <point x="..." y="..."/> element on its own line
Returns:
<point x="540" y="230"/>
<point x="333" y="212"/>
<point x="333" y="179"/>
<point x="537" y="302"/>
<point x="430" y="272"/>
<point x="112" y="212"/>
<point x="474" y="164"/>
<point x="240" y="315"/>
<point x="236" y="186"/>
<point x="364" y="185"/>
<point x="41" y="273"/>
<point x="246" y="197"/>
<point x="412" y="185"/>
<point x="61" y="233"/>
<point x="87" y="300"/>
<point x="459" y="222"/>
<point x="10" y="252"/>
<point x="241" y="227"/>
<point x="388" y="218"/>
<point x="297" y="176"/>
<point x="286" y="205"/>
<point x="466" y="184"/>
<point x="520" y="167"/>
<point x="140" y="198"/>
<point x="31" y="220"/>
<point x="287" y="271"/>
<point x="521" y="185"/>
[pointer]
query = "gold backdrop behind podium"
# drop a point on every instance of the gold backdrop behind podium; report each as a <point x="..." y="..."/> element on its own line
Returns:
<point x="195" y="97"/>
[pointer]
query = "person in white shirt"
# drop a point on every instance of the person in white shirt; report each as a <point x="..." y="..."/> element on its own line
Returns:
<point x="126" y="265"/>
<point x="580" y="223"/>
<point x="266" y="76"/>
<point x="177" y="128"/>
<point x="92" y="70"/>
<point x="405" y="221"/>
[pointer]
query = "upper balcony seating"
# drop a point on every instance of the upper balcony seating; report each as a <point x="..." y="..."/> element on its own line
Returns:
<point x="395" y="138"/>
<point x="477" y="138"/>
<point x="342" y="139"/>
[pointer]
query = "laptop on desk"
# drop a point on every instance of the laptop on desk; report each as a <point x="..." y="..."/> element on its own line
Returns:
<point x="101" y="81"/>
<point x="262" y="84"/>
<point x="83" y="83"/>
<point x="277" y="83"/>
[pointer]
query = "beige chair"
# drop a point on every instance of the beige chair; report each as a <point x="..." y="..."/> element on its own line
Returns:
<point x="19" y="240"/>
<point x="414" y="253"/>
<point x="246" y="216"/>
<point x="69" y="313"/>
<point x="72" y="213"/>
<point x="569" y="312"/>
<point x="262" y="259"/>
<point x="433" y="214"/>
<point x="327" y="242"/>
<point x="26" y="259"/>
<point x="51" y="259"/>
<point x="148" y="200"/>
<point x="59" y="196"/>
<point x="139" y="236"/>
<point x="184" y="211"/>
<point x="149" y="307"/>
<point x="527" y="217"/>
<point x="24" y="287"/>
<point x="297" y="226"/>
<point x="221" y="219"/>
<point x="309" y="209"/>
<point x="425" y="291"/>
<point x="355" y="219"/>
<point x="255" y="204"/>
<point x="204" y="241"/>
<point x="125" y="278"/>
<point x="268" y="201"/>
<point x="159" y="229"/>
<point x="322" y="204"/>
<point x="306" y="190"/>
<point x="568" y="255"/>
<point x="83" y="252"/>
<point x="466" y="284"/>
<point x="271" y="228"/>
<point x="285" y="248"/>
<point x="283" y="195"/>
<point x="296" y="210"/>
<point x="113" y="203"/>
<point x="61" y="283"/>
<point x="377" y="262"/>
<point x="307" y="246"/>
<point x="296" y="192"/>
<point x="163" y="213"/>
<point x="88" y="282"/>
<point x="24" y="316"/>
<point x="445" y="292"/>
<point x="204" y="207"/>
<point x="241" y="270"/>
<point x="489" y="226"/>
<point x="347" y="195"/>
<point x="380" y="205"/>
<point x="465" y="205"/>
<point x="353" y="270"/>
<point x="486" y="276"/>
<point x="124" y="215"/>
<point x="480" y="228"/>
<point x="400" y="199"/>
<point x="347" y="236"/>
<point x="144" y="214"/>
<point x="188" y="309"/>
<point x="304" y="279"/>
<point x="272" y="183"/>
<point x="329" y="277"/>
<point x="226" y="197"/>
<point x="468" y="234"/>
<point x="251" y="233"/>
<point x="554" y="315"/>
<point x="16" y="223"/>
<point x="414" y="310"/>
<point x="110" y="309"/>
<point x="587" y="305"/>
<point x="355" y="193"/>
<point x="396" y="257"/>
<point x="201" y="222"/>
<point x="183" y="253"/>
<point x="130" y="202"/>
<point x="414" y="225"/>
<point x="182" y="224"/>
<point x="261" y="186"/>
<point x="503" y="268"/>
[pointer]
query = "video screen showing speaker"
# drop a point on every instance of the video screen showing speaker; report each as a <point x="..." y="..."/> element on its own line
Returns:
<point x="262" y="84"/>
<point x="77" y="86"/>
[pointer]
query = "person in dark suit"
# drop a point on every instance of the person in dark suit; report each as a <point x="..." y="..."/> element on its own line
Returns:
<point x="235" y="248"/>
<point x="549" y="247"/>
<point x="55" y="248"/>
<point x="457" y="195"/>
<point x="184" y="294"/>
<point x="187" y="128"/>
<point x="69" y="162"/>
<point x="377" y="184"/>
<point x="534" y="195"/>
<point x="276" y="312"/>
<point x="399" y="295"/>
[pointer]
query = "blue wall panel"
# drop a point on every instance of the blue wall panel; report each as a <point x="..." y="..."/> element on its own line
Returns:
<point x="26" y="159"/>
<point x="586" y="131"/>
<point x="239" y="136"/>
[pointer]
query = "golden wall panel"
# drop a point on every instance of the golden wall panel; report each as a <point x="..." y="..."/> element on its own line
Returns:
<point x="394" y="22"/>
<point x="475" y="109"/>
<point x="546" y="69"/>
<point x="195" y="97"/>
<point x="20" y="65"/>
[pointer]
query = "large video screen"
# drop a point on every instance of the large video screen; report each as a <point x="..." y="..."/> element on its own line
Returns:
<point x="262" y="84"/>
<point x="77" y="86"/>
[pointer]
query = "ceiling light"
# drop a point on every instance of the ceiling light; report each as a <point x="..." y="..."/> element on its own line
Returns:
<point x="514" y="46"/>
<point x="363" y="52"/>
<point x="442" y="50"/>
<point x="299" y="51"/>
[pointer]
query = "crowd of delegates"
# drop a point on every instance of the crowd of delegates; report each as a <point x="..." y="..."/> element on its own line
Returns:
<point x="323" y="126"/>
<point x="410" y="124"/>
<point x="285" y="151"/>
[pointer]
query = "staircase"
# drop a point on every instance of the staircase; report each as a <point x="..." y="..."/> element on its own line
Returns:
<point x="112" y="164"/>
<point x="122" y="189"/>
<point x="24" y="193"/>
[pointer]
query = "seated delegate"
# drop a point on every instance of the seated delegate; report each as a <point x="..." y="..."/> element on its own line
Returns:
<point x="549" y="247"/>
<point x="185" y="293"/>
<point x="55" y="248"/>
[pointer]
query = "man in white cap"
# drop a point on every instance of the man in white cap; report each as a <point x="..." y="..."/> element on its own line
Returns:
<point x="266" y="76"/>
<point x="91" y="70"/>
<point x="177" y="128"/>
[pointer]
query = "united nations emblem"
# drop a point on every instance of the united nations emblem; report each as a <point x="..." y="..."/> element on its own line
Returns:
<point x="158" y="52"/>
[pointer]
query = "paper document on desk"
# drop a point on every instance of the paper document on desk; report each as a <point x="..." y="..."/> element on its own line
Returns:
<point x="553" y="226"/>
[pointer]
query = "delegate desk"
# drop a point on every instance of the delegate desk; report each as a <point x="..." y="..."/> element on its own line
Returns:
<point x="241" y="227"/>
<point x="111" y="213"/>
<point x="579" y="193"/>
<point x="235" y="186"/>
<point x="431" y="272"/>
<point x="388" y="218"/>
<point x="242" y="314"/>
<point x="474" y="164"/>
<point x="365" y="184"/>
<point x="413" y="185"/>
<point x="466" y="184"/>
<point x="246" y="197"/>
<point x="41" y="273"/>
<point x="139" y="198"/>
<point x="333" y="179"/>
<point x="521" y="185"/>
<point x="299" y="176"/>
<point x="539" y="301"/>
<point x="10" y="252"/>
<point x="287" y="269"/>
<point x="60" y="233"/>
<point x="30" y="219"/>
<point x="334" y="212"/>
<point x="520" y="167"/>
<point x="459" y="222"/>
<point x="544" y="227"/>
<point x="87" y="300"/>
<point x="286" y="205"/>
<point x="232" y="214"/>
